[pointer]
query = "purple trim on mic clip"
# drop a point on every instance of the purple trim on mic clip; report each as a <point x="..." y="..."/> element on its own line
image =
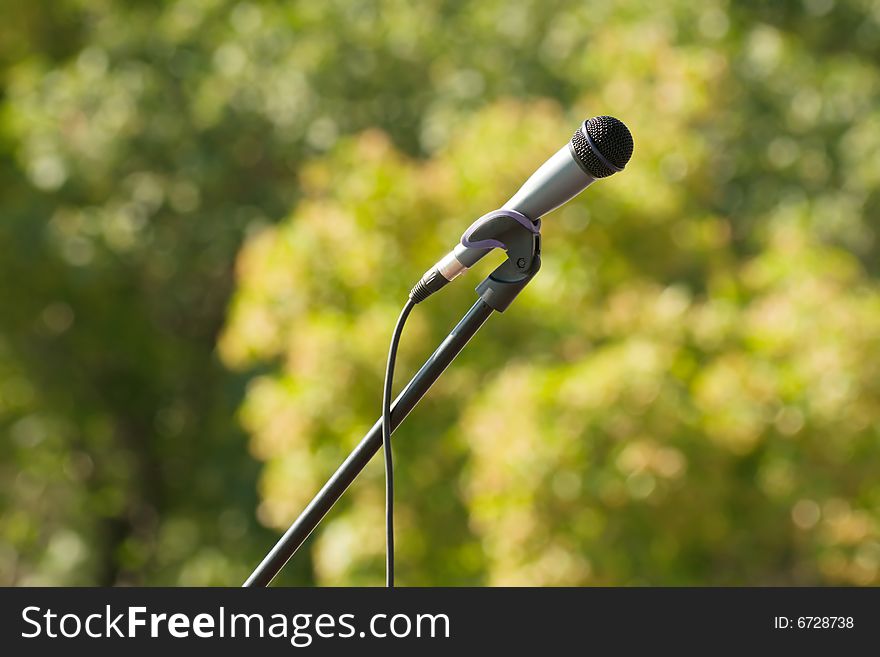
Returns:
<point x="596" y="152"/>
<point x="493" y="243"/>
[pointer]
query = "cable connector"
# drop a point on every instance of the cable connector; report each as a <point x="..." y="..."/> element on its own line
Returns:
<point x="432" y="281"/>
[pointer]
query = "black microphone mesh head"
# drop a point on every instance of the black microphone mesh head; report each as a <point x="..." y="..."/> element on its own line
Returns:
<point x="612" y="140"/>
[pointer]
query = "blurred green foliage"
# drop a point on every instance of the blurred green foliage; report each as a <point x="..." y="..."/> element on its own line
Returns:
<point x="195" y="197"/>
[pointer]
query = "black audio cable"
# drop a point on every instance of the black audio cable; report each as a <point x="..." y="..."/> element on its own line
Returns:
<point x="386" y="444"/>
<point x="429" y="284"/>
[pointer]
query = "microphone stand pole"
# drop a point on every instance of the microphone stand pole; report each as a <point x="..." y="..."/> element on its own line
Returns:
<point x="496" y="293"/>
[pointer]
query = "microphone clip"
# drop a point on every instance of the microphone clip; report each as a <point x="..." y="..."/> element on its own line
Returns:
<point x="509" y="230"/>
<point x="516" y="234"/>
<point x="498" y="229"/>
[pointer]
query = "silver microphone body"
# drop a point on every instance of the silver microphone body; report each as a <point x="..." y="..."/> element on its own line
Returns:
<point x="556" y="182"/>
<point x="599" y="148"/>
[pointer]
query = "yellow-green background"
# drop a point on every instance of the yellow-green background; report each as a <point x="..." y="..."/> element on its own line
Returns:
<point x="211" y="212"/>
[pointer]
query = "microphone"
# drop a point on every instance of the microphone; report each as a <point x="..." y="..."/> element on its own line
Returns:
<point x="599" y="148"/>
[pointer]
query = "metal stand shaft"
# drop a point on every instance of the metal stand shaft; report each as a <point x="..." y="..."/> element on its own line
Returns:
<point x="496" y="292"/>
<point x="347" y="472"/>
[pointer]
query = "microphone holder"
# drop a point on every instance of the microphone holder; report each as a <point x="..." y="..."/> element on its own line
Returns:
<point x="496" y="293"/>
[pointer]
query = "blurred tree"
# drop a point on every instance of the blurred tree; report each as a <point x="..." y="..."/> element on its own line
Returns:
<point x="142" y="142"/>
